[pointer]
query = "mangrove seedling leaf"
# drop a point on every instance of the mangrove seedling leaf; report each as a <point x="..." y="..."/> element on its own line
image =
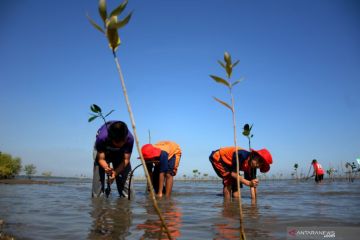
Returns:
<point x="123" y="22"/>
<point x="102" y="10"/>
<point x="234" y="83"/>
<point x="222" y="64"/>
<point x="247" y="130"/>
<point x="95" y="108"/>
<point x="109" y="113"/>
<point x="236" y="63"/>
<point x="113" y="37"/>
<point x="92" y="118"/>
<point x="223" y="103"/>
<point x="220" y="80"/>
<point x="227" y="58"/>
<point x="95" y="25"/>
<point x="117" y="11"/>
<point x="252" y="135"/>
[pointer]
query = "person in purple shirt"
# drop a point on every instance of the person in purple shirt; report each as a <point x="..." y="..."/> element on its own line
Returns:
<point x="114" y="144"/>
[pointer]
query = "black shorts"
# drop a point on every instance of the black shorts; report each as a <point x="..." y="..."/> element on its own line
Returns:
<point x="319" y="178"/>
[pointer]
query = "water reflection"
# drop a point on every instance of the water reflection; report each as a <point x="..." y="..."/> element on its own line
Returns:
<point x="111" y="220"/>
<point x="229" y="227"/>
<point x="152" y="225"/>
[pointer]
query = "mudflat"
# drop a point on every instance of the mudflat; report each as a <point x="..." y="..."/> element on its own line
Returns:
<point x="26" y="181"/>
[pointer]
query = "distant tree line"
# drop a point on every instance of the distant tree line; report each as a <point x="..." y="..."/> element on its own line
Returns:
<point x="11" y="166"/>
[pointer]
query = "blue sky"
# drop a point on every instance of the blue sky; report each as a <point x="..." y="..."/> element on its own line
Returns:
<point x="300" y="61"/>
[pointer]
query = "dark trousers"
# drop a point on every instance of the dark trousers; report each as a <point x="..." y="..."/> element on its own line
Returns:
<point x="122" y="180"/>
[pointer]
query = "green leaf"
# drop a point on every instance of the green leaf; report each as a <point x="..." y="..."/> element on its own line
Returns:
<point x="220" y="80"/>
<point x="109" y="113"/>
<point x="246" y="129"/>
<point x="102" y="10"/>
<point x="223" y="103"/>
<point x="222" y="64"/>
<point x="110" y="22"/>
<point x="227" y="58"/>
<point x="113" y="37"/>
<point x="122" y="23"/>
<point x="237" y="81"/>
<point x="95" y="24"/>
<point x="234" y="83"/>
<point x="236" y="63"/>
<point x="92" y="118"/>
<point x="95" y="108"/>
<point x="117" y="11"/>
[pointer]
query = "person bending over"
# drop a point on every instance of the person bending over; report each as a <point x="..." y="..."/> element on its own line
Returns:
<point x="163" y="160"/>
<point x="223" y="161"/>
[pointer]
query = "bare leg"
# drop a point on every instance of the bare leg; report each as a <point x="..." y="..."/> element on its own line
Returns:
<point x="227" y="192"/>
<point x="168" y="184"/>
<point x="235" y="194"/>
<point x="161" y="184"/>
<point x="253" y="193"/>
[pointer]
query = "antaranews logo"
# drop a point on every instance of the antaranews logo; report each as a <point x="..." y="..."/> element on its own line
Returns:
<point x="292" y="232"/>
<point x="310" y="233"/>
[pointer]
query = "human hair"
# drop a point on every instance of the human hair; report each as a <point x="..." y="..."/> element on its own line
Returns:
<point x="255" y="156"/>
<point x="314" y="161"/>
<point x="118" y="131"/>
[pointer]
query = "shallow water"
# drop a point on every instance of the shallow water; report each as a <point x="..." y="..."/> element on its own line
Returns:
<point x="195" y="211"/>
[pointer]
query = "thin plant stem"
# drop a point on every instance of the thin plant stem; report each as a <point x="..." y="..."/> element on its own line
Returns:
<point x="242" y="232"/>
<point x="308" y="173"/>
<point x="152" y="194"/>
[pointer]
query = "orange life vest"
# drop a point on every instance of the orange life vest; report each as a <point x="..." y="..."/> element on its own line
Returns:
<point x="222" y="160"/>
<point x="172" y="149"/>
<point x="318" y="169"/>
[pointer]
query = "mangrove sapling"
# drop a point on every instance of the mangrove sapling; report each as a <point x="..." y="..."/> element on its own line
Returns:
<point x="308" y="175"/>
<point x="110" y="30"/>
<point x="296" y="166"/>
<point x="228" y="65"/>
<point x="97" y="112"/>
<point x="247" y="133"/>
